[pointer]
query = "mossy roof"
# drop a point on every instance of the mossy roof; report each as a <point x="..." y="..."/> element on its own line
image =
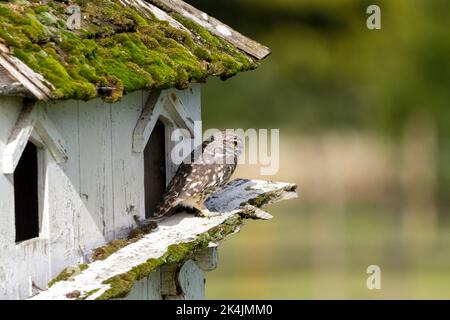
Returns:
<point x="119" y="49"/>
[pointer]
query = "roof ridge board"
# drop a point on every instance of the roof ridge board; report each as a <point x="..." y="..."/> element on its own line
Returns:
<point x="216" y="27"/>
<point x="145" y="7"/>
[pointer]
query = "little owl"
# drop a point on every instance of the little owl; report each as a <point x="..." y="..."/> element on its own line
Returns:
<point x="201" y="174"/>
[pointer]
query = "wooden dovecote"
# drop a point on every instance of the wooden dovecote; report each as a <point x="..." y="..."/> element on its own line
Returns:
<point x="86" y="118"/>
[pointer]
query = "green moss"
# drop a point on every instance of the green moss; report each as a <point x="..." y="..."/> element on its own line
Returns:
<point x="104" y="252"/>
<point x="136" y="234"/>
<point x="122" y="284"/>
<point x="48" y="19"/>
<point x="225" y="60"/>
<point x="67" y="273"/>
<point x="260" y="201"/>
<point x="230" y="225"/>
<point x="87" y="294"/>
<point x="117" y="48"/>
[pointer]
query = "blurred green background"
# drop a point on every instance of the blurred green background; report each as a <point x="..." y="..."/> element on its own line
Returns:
<point x="365" y="133"/>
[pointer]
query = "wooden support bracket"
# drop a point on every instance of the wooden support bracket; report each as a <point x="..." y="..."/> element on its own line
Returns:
<point x="207" y="259"/>
<point x="19" y="137"/>
<point x="30" y="119"/>
<point x="150" y="114"/>
<point x="179" y="113"/>
<point x="52" y="139"/>
<point x="165" y="104"/>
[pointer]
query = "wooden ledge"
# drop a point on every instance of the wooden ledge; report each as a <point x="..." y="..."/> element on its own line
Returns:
<point x="175" y="240"/>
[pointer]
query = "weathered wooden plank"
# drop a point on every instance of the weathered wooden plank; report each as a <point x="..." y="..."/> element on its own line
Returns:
<point x="19" y="137"/>
<point x="53" y="140"/>
<point x="13" y="89"/>
<point x="9" y="85"/>
<point x="214" y="26"/>
<point x="150" y="11"/>
<point x="175" y="230"/>
<point x="169" y="281"/>
<point x="97" y="213"/>
<point x="10" y="279"/>
<point x="149" y="117"/>
<point x="27" y="77"/>
<point x="259" y="193"/>
<point x="32" y="266"/>
<point x="128" y="166"/>
<point x="63" y="202"/>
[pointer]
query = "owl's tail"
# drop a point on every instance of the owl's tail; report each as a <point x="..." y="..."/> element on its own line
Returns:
<point x="166" y="206"/>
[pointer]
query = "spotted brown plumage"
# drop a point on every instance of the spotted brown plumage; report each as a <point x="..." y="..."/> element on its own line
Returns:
<point x="201" y="174"/>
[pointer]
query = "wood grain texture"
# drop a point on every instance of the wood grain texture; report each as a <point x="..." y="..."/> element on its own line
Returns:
<point x="150" y="11"/>
<point x="51" y="136"/>
<point x="127" y="166"/>
<point x="32" y="81"/>
<point x="10" y="108"/>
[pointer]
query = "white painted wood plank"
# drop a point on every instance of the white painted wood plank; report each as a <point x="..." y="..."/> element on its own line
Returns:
<point x="53" y="140"/>
<point x="192" y="100"/>
<point x="64" y="202"/>
<point x="32" y="266"/>
<point x="10" y="108"/>
<point x="97" y="213"/>
<point x="128" y="166"/>
<point x="154" y="285"/>
<point x="19" y="137"/>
